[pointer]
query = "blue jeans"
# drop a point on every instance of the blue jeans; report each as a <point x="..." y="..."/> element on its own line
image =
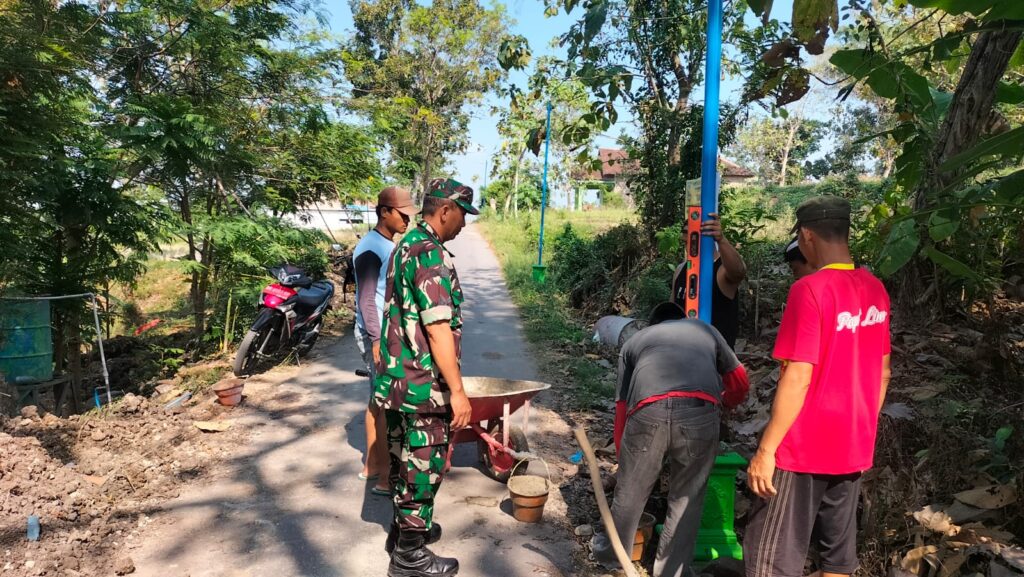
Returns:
<point x="686" y="436"/>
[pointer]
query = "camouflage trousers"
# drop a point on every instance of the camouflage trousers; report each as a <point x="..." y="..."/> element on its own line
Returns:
<point x="418" y="444"/>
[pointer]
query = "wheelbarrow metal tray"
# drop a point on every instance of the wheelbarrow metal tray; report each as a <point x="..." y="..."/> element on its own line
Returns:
<point x="488" y="395"/>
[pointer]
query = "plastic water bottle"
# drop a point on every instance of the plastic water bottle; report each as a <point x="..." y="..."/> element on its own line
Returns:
<point x="33" y="527"/>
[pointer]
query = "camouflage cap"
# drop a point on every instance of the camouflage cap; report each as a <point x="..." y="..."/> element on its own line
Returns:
<point x="821" y="208"/>
<point x="454" y="191"/>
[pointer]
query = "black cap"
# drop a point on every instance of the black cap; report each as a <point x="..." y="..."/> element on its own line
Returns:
<point x="821" y="208"/>
<point x="666" y="311"/>
<point x="792" y="253"/>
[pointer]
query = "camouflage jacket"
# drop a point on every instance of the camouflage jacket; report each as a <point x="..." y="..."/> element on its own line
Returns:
<point x="422" y="288"/>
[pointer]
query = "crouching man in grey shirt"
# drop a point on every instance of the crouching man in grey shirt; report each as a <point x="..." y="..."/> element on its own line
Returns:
<point x="674" y="376"/>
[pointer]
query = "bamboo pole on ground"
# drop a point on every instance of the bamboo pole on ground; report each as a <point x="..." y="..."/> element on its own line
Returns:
<point x="602" y="503"/>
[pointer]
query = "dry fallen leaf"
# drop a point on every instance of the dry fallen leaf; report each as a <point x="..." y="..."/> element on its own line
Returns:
<point x="898" y="411"/>
<point x="750" y="427"/>
<point x="912" y="560"/>
<point x="212" y="426"/>
<point x="960" y="513"/>
<point x="936" y="520"/>
<point x="926" y="392"/>
<point x="985" y="534"/>
<point x="1014" y="556"/>
<point x="990" y="497"/>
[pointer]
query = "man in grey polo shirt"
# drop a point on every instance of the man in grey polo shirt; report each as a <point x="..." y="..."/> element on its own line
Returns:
<point x="674" y="376"/>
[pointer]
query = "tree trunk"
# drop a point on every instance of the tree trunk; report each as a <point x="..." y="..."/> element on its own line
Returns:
<point x="508" y="205"/>
<point x="515" y="193"/>
<point x="204" y="272"/>
<point x="673" y="145"/>
<point x="428" y="159"/>
<point x="887" y="162"/>
<point x="196" y="296"/>
<point x="794" y="126"/>
<point x="675" y="136"/>
<point x="108" y="308"/>
<point x="425" y="174"/>
<point x="205" y="260"/>
<point x="59" y="344"/>
<point x="515" y="185"/>
<point x="72" y="393"/>
<point x="969" y="109"/>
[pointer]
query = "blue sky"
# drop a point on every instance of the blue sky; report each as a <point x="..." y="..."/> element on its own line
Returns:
<point x="539" y="30"/>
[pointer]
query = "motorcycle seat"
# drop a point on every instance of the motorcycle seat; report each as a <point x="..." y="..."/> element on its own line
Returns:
<point x="317" y="293"/>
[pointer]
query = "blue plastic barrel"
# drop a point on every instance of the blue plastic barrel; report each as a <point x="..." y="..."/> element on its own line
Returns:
<point x="26" y="344"/>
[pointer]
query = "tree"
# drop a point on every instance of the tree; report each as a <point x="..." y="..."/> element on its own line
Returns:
<point x="522" y="128"/>
<point x="45" y="62"/>
<point x="316" y="160"/>
<point x="417" y="70"/>
<point x="777" y="147"/>
<point x="650" y="58"/>
<point x="222" y="109"/>
<point x="857" y="149"/>
<point x="69" y="224"/>
<point x="947" y="81"/>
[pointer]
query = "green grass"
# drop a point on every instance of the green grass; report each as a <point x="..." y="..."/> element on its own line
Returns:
<point x="559" y="340"/>
<point x="159" y="293"/>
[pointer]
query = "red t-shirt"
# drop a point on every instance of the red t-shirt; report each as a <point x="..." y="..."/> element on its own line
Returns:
<point x="837" y="320"/>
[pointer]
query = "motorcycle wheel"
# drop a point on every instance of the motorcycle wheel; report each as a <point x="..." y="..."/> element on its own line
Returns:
<point x="307" y="344"/>
<point x="247" y="356"/>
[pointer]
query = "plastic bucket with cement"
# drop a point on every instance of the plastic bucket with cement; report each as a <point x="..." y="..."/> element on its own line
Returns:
<point x="529" y="493"/>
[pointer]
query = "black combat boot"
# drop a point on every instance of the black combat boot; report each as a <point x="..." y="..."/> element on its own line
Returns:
<point x="413" y="559"/>
<point x="433" y="536"/>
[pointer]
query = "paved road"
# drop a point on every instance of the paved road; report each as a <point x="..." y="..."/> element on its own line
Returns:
<point x="289" y="504"/>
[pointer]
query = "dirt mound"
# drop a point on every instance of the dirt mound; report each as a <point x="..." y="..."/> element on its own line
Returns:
<point x="92" y="480"/>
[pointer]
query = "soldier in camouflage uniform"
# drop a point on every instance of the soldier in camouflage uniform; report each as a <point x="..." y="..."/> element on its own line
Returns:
<point x="420" y="384"/>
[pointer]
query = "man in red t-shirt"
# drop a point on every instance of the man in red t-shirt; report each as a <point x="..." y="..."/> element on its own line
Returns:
<point x="834" y="347"/>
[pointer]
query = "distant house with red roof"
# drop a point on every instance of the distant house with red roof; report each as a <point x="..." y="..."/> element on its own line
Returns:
<point x="617" y="169"/>
<point x="615" y="164"/>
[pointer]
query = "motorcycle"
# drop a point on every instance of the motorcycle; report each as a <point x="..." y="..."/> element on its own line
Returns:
<point x="291" y="314"/>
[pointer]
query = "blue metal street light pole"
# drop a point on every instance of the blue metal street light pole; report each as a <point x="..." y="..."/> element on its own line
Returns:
<point x="543" y="199"/>
<point x="709" y="154"/>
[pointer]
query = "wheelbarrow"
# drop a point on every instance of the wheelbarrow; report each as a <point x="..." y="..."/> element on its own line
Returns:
<point x="500" y="444"/>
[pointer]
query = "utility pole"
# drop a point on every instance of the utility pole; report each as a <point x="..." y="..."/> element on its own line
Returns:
<point x="709" y="154"/>
<point x="539" y="272"/>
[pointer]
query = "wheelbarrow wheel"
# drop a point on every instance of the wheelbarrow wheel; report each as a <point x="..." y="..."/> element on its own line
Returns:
<point x="500" y="467"/>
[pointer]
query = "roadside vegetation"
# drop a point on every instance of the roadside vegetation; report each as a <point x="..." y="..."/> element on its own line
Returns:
<point x="950" y="443"/>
